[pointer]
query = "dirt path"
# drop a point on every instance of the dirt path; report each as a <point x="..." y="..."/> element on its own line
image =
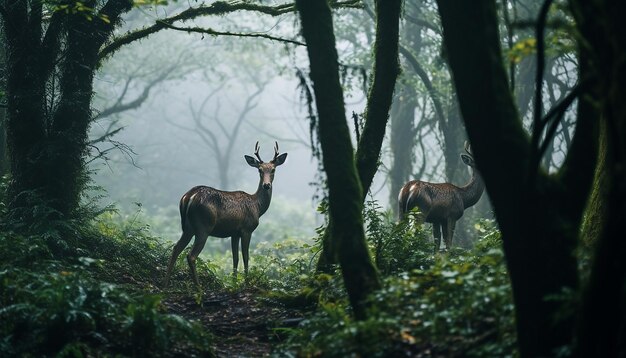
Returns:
<point x="241" y="322"/>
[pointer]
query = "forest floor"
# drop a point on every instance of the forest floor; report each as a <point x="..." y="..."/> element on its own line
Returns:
<point x="243" y="323"/>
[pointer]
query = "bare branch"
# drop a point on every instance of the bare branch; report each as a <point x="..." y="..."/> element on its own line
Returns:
<point x="419" y="70"/>
<point x="107" y="135"/>
<point x="423" y="23"/>
<point x="119" y="107"/>
<point x="208" y="31"/>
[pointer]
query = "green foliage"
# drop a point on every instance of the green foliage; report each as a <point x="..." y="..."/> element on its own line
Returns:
<point x="128" y="253"/>
<point x="61" y="292"/>
<point x="396" y="247"/>
<point x="454" y="304"/>
<point x="65" y="311"/>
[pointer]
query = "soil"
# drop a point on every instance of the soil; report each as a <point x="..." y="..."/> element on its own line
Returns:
<point x="243" y="323"/>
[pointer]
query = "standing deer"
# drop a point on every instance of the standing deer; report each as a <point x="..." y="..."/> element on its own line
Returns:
<point x="207" y="211"/>
<point x="442" y="204"/>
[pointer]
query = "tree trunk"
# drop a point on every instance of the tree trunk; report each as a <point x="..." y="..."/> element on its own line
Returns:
<point x="402" y="142"/>
<point x="602" y="323"/>
<point x="597" y="212"/>
<point x="386" y="70"/>
<point x="539" y="216"/>
<point x="46" y="150"/>
<point x="344" y="189"/>
<point x="4" y="164"/>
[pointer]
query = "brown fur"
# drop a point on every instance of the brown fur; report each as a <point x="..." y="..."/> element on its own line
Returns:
<point x="441" y="204"/>
<point x="205" y="211"/>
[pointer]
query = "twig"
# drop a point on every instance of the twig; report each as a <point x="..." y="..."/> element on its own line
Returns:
<point x="538" y="124"/>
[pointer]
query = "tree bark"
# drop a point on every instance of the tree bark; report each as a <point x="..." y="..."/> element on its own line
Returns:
<point x="602" y="323"/>
<point x="386" y="70"/>
<point x="344" y="188"/>
<point x="597" y="211"/>
<point x="46" y="150"/>
<point x="539" y="216"/>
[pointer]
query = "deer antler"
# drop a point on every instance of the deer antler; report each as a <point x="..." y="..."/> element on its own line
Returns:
<point x="256" y="151"/>
<point x="468" y="149"/>
<point x="276" y="152"/>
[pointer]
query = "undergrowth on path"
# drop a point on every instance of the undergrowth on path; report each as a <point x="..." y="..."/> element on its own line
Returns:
<point x="87" y="287"/>
<point x="91" y="286"/>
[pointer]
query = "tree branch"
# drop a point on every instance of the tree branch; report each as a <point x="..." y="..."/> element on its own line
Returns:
<point x="419" y="70"/>
<point x="216" y="8"/>
<point x="121" y="107"/>
<point x="422" y="23"/>
<point x="208" y="31"/>
<point x="555" y="115"/>
<point x="538" y="124"/>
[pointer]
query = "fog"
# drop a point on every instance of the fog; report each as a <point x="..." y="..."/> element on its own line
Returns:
<point x="161" y="149"/>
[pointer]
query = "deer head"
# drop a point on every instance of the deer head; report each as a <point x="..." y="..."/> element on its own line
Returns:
<point x="266" y="170"/>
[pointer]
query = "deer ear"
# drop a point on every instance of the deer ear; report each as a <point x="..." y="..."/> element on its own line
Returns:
<point x="252" y="161"/>
<point x="467" y="160"/>
<point x="280" y="159"/>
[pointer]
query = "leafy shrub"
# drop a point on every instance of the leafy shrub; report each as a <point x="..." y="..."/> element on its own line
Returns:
<point x="65" y="312"/>
<point x="396" y="247"/>
<point x="455" y="304"/>
<point x="62" y="302"/>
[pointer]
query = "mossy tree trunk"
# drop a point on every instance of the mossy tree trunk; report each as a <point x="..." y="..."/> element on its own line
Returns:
<point x="47" y="123"/>
<point x="596" y="212"/>
<point x="602" y="323"/>
<point x="386" y="70"/>
<point x="539" y="215"/>
<point x="4" y="163"/>
<point x="344" y="188"/>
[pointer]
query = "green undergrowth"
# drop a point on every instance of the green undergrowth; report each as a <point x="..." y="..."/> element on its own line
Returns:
<point x="457" y="303"/>
<point x="92" y="286"/>
<point x="88" y="287"/>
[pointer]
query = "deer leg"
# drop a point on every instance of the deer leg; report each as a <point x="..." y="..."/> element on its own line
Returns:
<point x="234" y="246"/>
<point x="437" y="235"/>
<point x="178" y="248"/>
<point x="198" y="245"/>
<point x="245" y="246"/>
<point x="449" y="233"/>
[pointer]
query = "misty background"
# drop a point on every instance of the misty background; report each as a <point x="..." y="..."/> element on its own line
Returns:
<point x="185" y="108"/>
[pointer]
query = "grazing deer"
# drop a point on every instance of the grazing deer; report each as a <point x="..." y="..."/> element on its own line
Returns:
<point x="442" y="204"/>
<point x="207" y="211"/>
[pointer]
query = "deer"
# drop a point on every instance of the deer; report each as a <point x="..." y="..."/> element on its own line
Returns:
<point x="205" y="211"/>
<point x="442" y="204"/>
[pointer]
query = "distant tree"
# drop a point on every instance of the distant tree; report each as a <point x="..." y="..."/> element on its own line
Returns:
<point x="403" y="135"/>
<point x="212" y="130"/>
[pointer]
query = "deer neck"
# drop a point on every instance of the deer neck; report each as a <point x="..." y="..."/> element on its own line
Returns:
<point x="473" y="190"/>
<point x="263" y="198"/>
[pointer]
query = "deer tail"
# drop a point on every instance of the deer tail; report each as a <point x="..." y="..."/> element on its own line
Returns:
<point x="185" y="203"/>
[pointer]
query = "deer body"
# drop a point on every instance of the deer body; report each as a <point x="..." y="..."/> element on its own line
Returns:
<point x="205" y="211"/>
<point x="442" y="204"/>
